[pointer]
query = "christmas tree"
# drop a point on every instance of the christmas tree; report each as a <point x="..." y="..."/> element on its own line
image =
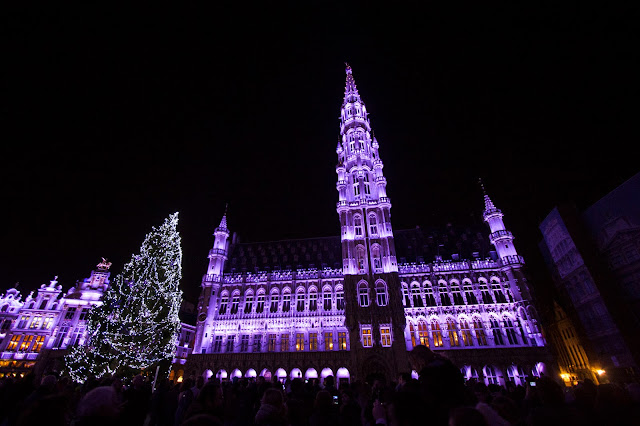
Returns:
<point x="136" y="326"/>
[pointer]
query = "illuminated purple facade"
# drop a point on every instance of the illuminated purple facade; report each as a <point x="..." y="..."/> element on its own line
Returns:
<point x="353" y="305"/>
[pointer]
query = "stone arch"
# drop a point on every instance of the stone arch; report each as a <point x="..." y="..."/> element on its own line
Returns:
<point x="250" y="373"/>
<point x="207" y="374"/>
<point x="295" y="373"/>
<point x="281" y="374"/>
<point x="221" y="374"/>
<point x="311" y="373"/>
<point x="236" y="373"/>
<point x="266" y="373"/>
<point x="326" y="372"/>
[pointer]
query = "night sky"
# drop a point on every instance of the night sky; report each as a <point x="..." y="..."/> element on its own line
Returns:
<point x="115" y="118"/>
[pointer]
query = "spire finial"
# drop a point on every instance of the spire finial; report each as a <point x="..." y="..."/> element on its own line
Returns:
<point x="223" y="221"/>
<point x="348" y="68"/>
<point x="484" y="192"/>
<point x="488" y="204"/>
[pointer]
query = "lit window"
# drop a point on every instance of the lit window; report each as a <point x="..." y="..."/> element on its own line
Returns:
<point x="366" y="337"/>
<point x="313" y="341"/>
<point x="13" y="343"/>
<point x="436" y="333"/>
<point x="328" y="341"/>
<point x="299" y="341"/>
<point x="24" y="346"/>
<point x="35" y="323"/>
<point x="412" y="332"/>
<point x="466" y="333"/>
<point x="480" y="334"/>
<point x="363" y="295"/>
<point x="385" y="335"/>
<point x="38" y="345"/>
<point x="272" y="343"/>
<point x="342" y="340"/>
<point x="423" y="333"/>
<point x="454" y="339"/>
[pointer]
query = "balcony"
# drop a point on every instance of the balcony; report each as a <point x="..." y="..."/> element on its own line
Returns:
<point x="381" y="179"/>
<point x="385" y="200"/>
<point x="500" y="235"/>
<point x="342" y="204"/>
<point x="512" y="260"/>
<point x="490" y="213"/>
<point x="214" y="252"/>
<point x="341" y="183"/>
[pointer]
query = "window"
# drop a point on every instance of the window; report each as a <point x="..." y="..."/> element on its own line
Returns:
<point x="284" y="342"/>
<point x="272" y="343"/>
<point x="62" y="334"/>
<point x="480" y="334"/>
<point x="457" y="296"/>
<point x="381" y="294"/>
<point x="24" y="346"/>
<point x="274" y="303"/>
<point x="248" y="303"/>
<point x="366" y="337"/>
<point x="406" y="301"/>
<point x="470" y="295"/>
<point x="360" y="259"/>
<point x="38" y="345"/>
<point x="286" y="302"/>
<point x="71" y="312"/>
<point x="83" y="314"/>
<point x="367" y="188"/>
<point x="43" y="304"/>
<point x="484" y="290"/>
<point x="244" y="343"/>
<point x="454" y="338"/>
<point x="357" y="224"/>
<point x="428" y="295"/>
<point x="377" y="259"/>
<point x="35" y="323"/>
<point x="313" y="341"/>
<point x="363" y="295"/>
<point x="342" y="340"/>
<point x="412" y="332"/>
<point x="445" y="300"/>
<point x="235" y="304"/>
<point x="328" y="341"/>
<point x="313" y="301"/>
<point x="6" y="324"/>
<point x="75" y="340"/>
<point x="497" y="332"/>
<point x="257" y="343"/>
<point x="300" y="301"/>
<point x="13" y="343"/>
<point x="373" y="222"/>
<point x="356" y="186"/>
<point x="339" y="299"/>
<point x="23" y="321"/>
<point x="231" y="341"/>
<point x="217" y="344"/>
<point x="423" y="333"/>
<point x="415" y="294"/>
<point x="299" y="341"/>
<point x="497" y="293"/>
<point x="511" y="332"/>
<point x="385" y="336"/>
<point x="466" y="333"/>
<point x="260" y="304"/>
<point x="223" y="305"/>
<point x="326" y="300"/>
<point x="436" y="333"/>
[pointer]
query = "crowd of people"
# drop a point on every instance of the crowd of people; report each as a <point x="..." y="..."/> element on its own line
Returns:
<point x="440" y="396"/>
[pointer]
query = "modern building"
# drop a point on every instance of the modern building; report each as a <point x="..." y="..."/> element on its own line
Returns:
<point x="595" y="263"/>
<point x="352" y="305"/>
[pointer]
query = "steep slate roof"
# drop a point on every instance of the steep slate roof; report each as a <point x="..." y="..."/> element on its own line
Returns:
<point x="416" y="245"/>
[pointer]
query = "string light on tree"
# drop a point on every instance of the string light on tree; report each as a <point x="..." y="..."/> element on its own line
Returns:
<point x="137" y="325"/>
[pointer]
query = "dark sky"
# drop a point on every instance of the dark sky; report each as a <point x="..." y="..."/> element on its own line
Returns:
<point x="115" y="118"/>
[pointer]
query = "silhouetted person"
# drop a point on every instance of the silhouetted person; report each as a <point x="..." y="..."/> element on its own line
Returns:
<point x="272" y="410"/>
<point x="325" y="412"/>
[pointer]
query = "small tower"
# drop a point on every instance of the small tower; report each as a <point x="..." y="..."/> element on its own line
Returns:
<point x="210" y="286"/>
<point x="502" y="240"/>
<point x="374" y="312"/>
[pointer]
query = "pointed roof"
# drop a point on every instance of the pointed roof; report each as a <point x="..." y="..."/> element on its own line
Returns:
<point x="223" y="221"/>
<point x="488" y="204"/>
<point x="350" y="90"/>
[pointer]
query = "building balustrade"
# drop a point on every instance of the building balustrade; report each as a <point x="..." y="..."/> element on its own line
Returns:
<point x="512" y="260"/>
<point x="499" y="235"/>
<point x="342" y="183"/>
<point x="491" y="212"/>
<point x="385" y="200"/>
<point x="342" y="204"/>
<point x="211" y="278"/>
<point x="381" y="179"/>
<point x="216" y="251"/>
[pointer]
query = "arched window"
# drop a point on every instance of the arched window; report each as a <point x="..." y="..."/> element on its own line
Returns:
<point x="484" y="290"/>
<point x="339" y="298"/>
<point x="497" y="332"/>
<point x="511" y="331"/>
<point x="377" y="259"/>
<point x="300" y="301"/>
<point x="469" y="294"/>
<point x="357" y="225"/>
<point x="465" y="330"/>
<point x="452" y="329"/>
<point x="235" y="302"/>
<point x="445" y="300"/>
<point x="248" y="302"/>
<point x="275" y="298"/>
<point x="313" y="300"/>
<point x="478" y="328"/>
<point x="367" y="187"/>
<point x="490" y="375"/>
<point x="224" y="301"/>
<point x="360" y="259"/>
<point x="356" y="186"/>
<point x="415" y="295"/>
<point x="260" y="303"/>
<point x="455" y="293"/>
<point x="412" y="332"/>
<point x="406" y="300"/>
<point x="286" y="301"/>
<point x="428" y="295"/>
<point x="326" y="299"/>
<point x="373" y="224"/>
<point x="497" y="292"/>
<point x="381" y="293"/>
<point x="436" y="333"/>
<point x="43" y="304"/>
<point x="363" y="294"/>
<point x="423" y="333"/>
